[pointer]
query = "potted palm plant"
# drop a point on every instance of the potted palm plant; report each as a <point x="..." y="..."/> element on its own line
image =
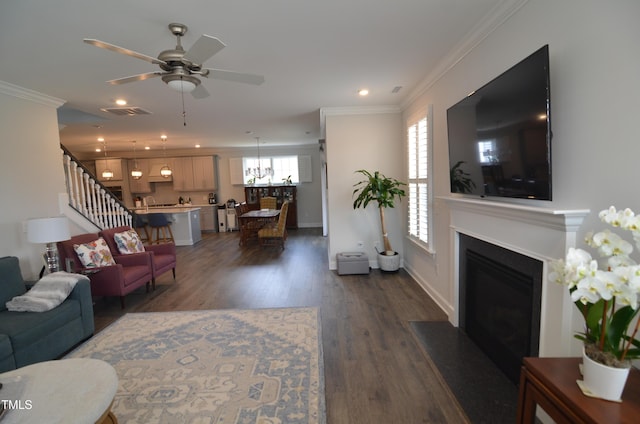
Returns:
<point x="384" y="191"/>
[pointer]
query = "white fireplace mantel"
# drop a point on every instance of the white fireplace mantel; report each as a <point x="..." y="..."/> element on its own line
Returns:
<point x="541" y="233"/>
<point x="562" y="220"/>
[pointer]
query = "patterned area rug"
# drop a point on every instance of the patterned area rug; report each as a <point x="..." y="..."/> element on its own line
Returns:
<point x="222" y="366"/>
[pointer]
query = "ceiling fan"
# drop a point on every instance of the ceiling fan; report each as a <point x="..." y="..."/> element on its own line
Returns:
<point x="181" y="69"/>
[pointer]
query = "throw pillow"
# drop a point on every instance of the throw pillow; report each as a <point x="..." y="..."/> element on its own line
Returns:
<point x="94" y="254"/>
<point x="128" y="242"/>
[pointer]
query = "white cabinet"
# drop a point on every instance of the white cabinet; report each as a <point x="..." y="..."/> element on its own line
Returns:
<point x="141" y="185"/>
<point x="114" y="165"/>
<point x="193" y="173"/>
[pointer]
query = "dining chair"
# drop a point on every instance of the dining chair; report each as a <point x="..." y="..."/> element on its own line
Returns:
<point x="268" y="202"/>
<point x="275" y="234"/>
<point x="248" y="227"/>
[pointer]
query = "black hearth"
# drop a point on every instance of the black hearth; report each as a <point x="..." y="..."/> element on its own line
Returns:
<point x="500" y="295"/>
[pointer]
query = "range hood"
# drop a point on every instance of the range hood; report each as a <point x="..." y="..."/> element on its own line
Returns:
<point x="155" y="176"/>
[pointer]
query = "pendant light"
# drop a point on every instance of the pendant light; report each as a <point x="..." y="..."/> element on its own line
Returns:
<point x="107" y="173"/>
<point x="258" y="172"/>
<point x="136" y="173"/>
<point x="165" y="171"/>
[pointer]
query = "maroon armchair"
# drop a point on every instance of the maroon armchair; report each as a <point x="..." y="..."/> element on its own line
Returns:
<point x="163" y="255"/>
<point x="129" y="273"/>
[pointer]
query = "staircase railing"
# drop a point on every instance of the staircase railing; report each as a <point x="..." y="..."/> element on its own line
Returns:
<point x="90" y="197"/>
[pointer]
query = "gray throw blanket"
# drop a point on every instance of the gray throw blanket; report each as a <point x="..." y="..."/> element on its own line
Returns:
<point x="49" y="292"/>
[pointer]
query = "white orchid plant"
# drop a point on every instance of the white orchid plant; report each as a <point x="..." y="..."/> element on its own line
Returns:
<point x="606" y="293"/>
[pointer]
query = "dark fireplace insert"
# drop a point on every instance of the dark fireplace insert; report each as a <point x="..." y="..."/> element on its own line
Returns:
<point x="500" y="295"/>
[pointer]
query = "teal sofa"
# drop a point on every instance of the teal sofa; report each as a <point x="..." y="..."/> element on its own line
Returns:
<point x="29" y="337"/>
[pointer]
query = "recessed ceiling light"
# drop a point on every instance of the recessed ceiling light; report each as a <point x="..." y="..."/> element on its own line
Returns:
<point x="147" y="148"/>
<point x="101" y="139"/>
<point x="363" y="92"/>
<point x="98" y="149"/>
<point x="197" y="146"/>
<point x="121" y="102"/>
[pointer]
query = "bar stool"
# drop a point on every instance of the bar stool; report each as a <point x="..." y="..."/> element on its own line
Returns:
<point x="159" y="222"/>
<point x="142" y="228"/>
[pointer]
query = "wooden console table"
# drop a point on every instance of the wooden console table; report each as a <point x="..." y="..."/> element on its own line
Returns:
<point x="551" y="384"/>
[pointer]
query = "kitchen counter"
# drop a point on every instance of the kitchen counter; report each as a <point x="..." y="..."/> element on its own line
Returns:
<point x="143" y="209"/>
<point x="165" y="209"/>
<point x="185" y="222"/>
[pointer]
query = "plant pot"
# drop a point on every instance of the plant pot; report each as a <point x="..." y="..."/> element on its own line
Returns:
<point x="389" y="263"/>
<point x="603" y="381"/>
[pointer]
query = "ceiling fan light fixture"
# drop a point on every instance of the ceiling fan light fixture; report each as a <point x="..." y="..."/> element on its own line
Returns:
<point x="181" y="83"/>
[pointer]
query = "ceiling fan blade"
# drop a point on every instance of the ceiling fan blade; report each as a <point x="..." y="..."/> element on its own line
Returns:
<point x="234" y="76"/>
<point x="205" y="47"/>
<point x="122" y="50"/>
<point x="200" y="92"/>
<point x="139" y="77"/>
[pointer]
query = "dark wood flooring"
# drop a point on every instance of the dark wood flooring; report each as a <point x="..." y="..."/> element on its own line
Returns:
<point x="375" y="369"/>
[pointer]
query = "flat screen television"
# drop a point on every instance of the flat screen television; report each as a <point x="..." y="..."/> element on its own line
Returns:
<point x="500" y="135"/>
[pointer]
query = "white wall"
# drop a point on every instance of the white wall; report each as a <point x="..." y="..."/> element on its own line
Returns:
<point x="29" y="125"/>
<point x="595" y="87"/>
<point x="368" y="139"/>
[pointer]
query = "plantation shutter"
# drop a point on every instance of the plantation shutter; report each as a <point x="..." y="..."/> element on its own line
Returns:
<point x="418" y="180"/>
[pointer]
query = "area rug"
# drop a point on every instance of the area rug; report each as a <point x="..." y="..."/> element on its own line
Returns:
<point x="221" y="366"/>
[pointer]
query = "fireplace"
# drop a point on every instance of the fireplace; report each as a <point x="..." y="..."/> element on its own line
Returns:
<point x="500" y="298"/>
<point x="535" y="233"/>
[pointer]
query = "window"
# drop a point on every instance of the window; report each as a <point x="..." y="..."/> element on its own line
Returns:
<point x="487" y="151"/>
<point x="283" y="167"/>
<point x="418" y="179"/>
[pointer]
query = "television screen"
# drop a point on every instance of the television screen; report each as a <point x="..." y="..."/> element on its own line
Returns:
<point x="500" y="135"/>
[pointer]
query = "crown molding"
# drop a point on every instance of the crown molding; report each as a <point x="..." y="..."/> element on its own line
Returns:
<point x="492" y="20"/>
<point x="353" y="110"/>
<point x="359" y="110"/>
<point x="30" y="95"/>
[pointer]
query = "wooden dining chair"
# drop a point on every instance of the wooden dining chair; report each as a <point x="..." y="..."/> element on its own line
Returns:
<point x="248" y="227"/>
<point x="276" y="234"/>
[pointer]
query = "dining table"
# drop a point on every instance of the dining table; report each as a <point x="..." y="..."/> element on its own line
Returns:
<point x="250" y="222"/>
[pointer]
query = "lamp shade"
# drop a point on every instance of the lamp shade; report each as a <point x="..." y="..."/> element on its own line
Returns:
<point x="183" y="85"/>
<point x="48" y="230"/>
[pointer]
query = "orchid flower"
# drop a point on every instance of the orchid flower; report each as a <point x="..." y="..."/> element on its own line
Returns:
<point x="608" y="297"/>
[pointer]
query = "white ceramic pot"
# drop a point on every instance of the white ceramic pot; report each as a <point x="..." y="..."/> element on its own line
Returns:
<point x="389" y="262"/>
<point x="603" y="381"/>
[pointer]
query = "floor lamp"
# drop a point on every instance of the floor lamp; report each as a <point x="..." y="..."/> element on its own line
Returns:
<point x="49" y="231"/>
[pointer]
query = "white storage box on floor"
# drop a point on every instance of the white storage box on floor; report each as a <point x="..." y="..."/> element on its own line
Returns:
<point x="352" y="263"/>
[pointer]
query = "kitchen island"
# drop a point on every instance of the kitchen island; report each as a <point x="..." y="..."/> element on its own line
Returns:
<point x="185" y="222"/>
